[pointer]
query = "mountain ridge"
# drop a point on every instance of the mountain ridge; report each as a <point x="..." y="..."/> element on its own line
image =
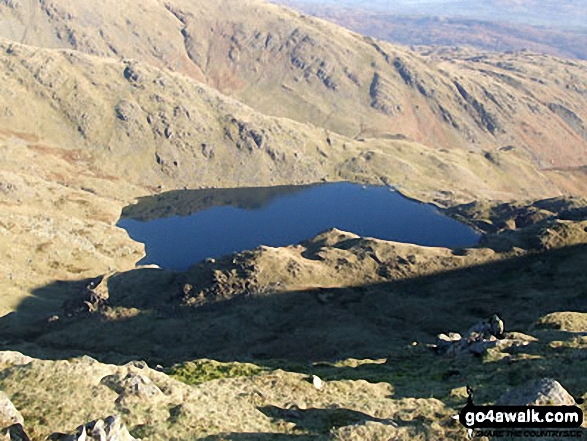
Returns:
<point x="122" y="109"/>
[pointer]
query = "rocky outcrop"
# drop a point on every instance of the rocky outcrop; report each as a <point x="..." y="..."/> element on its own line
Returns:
<point x="12" y="358"/>
<point x="403" y="71"/>
<point x="564" y="321"/>
<point x="541" y="225"/>
<point x="569" y="117"/>
<point x="9" y="415"/>
<point x="383" y="96"/>
<point x="93" y="296"/>
<point x="483" y="118"/>
<point x="500" y="217"/>
<point x="541" y="392"/>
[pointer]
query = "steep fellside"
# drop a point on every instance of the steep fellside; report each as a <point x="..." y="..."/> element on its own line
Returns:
<point x="159" y="129"/>
<point x="285" y="64"/>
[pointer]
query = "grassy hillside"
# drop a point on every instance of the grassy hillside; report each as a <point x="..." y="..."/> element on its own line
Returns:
<point x="367" y="342"/>
<point x="284" y="64"/>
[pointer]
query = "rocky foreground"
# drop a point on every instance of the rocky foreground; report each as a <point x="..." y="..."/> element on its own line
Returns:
<point x="411" y="394"/>
<point x="334" y="338"/>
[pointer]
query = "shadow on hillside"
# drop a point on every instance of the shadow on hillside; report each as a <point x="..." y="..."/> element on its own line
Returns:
<point x="144" y="319"/>
<point x="319" y="420"/>
<point x="261" y="437"/>
<point x="313" y="424"/>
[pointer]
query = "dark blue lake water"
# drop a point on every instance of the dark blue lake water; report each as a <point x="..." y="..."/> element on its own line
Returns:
<point x="181" y="228"/>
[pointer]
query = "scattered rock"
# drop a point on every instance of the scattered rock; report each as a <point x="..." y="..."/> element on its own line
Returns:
<point x="187" y="289"/>
<point x="493" y="327"/>
<point x="541" y="392"/>
<point x="7" y="187"/>
<point x="368" y="430"/>
<point x="481" y="337"/>
<point x="208" y="151"/>
<point x="9" y="415"/>
<point x="109" y="429"/>
<point x="139" y="364"/>
<point x="53" y="319"/>
<point x="481" y="347"/>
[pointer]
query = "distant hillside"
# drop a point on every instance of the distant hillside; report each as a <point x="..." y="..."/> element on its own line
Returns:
<point x="283" y="64"/>
<point x="556" y="13"/>
<point x="453" y="31"/>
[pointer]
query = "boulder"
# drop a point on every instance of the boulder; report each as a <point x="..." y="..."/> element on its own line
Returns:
<point x="450" y="344"/>
<point x="540" y="392"/>
<point x="317" y="382"/>
<point x="98" y="432"/>
<point x="481" y="347"/>
<point x="132" y="385"/>
<point x="443" y="340"/>
<point x="112" y="428"/>
<point x="9" y="415"/>
<point x="485" y="329"/>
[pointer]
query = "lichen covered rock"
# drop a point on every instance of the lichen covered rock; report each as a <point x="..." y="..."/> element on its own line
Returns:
<point x="541" y="392"/>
